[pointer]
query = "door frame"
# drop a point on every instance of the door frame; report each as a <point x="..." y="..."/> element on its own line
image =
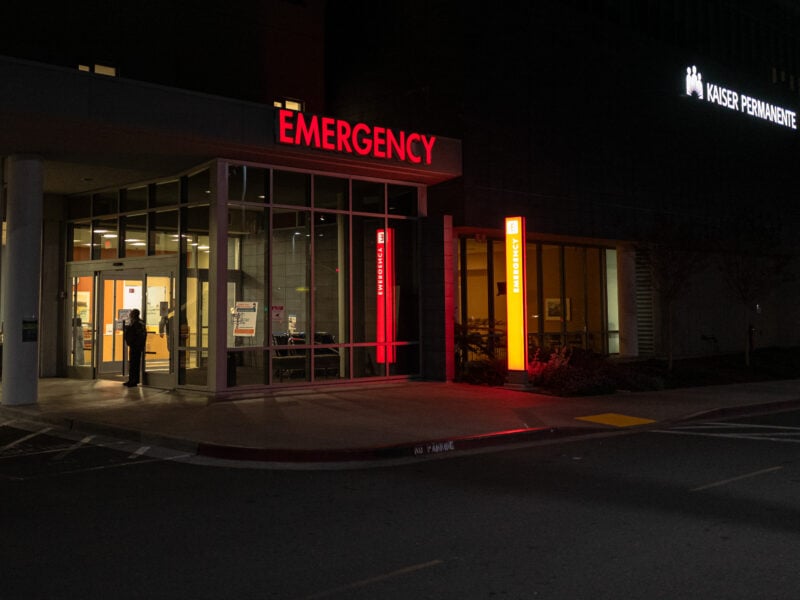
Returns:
<point x="139" y="268"/>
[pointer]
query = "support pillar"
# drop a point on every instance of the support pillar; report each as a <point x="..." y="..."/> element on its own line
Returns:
<point x="626" y="290"/>
<point x="24" y="205"/>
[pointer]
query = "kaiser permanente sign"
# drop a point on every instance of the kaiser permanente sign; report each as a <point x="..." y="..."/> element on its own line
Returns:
<point x="727" y="98"/>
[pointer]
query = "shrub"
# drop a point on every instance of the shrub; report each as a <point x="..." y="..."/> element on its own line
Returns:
<point x="577" y="372"/>
<point x="486" y="371"/>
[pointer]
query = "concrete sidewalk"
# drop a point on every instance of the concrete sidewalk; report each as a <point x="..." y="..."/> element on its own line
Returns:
<point x="372" y="423"/>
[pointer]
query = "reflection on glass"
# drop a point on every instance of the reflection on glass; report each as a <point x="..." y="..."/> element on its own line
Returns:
<point x="331" y="255"/>
<point x="135" y="198"/>
<point x="331" y="193"/>
<point x="81" y="333"/>
<point x="135" y="228"/>
<point x="164" y="232"/>
<point x="198" y="187"/>
<point x="81" y="234"/>
<point x="105" y="203"/>
<point x="402" y="200"/>
<point x="105" y="239"/>
<point x="160" y="320"/>
<point x="291" y="188"/>
<point x="167" y="193"/>
<point x="368" y="196"/>
<point x="247" y="184"/>
<point x="364" y="267"/>
<point x="196" y="237"/>
<point x="246" y="368"/>
<point x="247" y="244"/>
<point x="290" y="251"/>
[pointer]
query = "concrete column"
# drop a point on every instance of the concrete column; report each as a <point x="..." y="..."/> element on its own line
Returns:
<point x="21" y="288"/>
<point x="436" y="300"/>
<point x="218" y="280"/>
<point x="626" y="293"/>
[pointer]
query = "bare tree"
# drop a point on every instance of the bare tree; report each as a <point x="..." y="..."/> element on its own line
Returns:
<point x="753" y="268"/>
<point x="671" y="268"/>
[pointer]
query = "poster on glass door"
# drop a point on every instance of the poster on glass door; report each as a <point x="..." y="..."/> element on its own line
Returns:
<point x="244" y="319"/>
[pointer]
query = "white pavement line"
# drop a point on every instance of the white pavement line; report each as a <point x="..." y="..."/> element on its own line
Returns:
<point x="740" y="426"/>
<point x="101" y="467"/>
<point x="732" y="436"/>
<point x="371" y="580"/>
<point x="34" y="453"/>
<point x="74" y="447"/>
<point x="139" y="452"/>
<point x="732" y="479"/>
<point x="25" y="438"/>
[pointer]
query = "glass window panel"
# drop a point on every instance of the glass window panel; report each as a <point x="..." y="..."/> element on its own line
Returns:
<point x="160" y="319"/>
<point x="290" y="366"/>
<point x="551" y="292"/>
<point x="134" y="198"/>
<point x="574" y="308"/>
<point x="164" y="232"/>
<point x="246" y="368"/>
<point x="497" y="331"/>
<point x="196" y="236"/>
<point x="291" y="188"/>
<point x="198" y="187"/>
<point x="331" y="192"/>
<point x="247" y="184"/>
<point x="594" y="300"/>
<point x="331" y="286"/>
<point x="402" y="200"/>
<point x="105" y="203"/>
<point x="105" y="238"/>
<point x="81" y="334"/>
<point x="79" y="207"/>
<point x="402" y="308"/>
<point x="290" y="251"/>
<point x="247" y="275"/>
<point x="364" y="267"/>
<point x="135" y="228"/>
<point x="193" y="367"/>
<point x="368" y="196"/>
<point x="81" y="236"/>
<point x="331" y="363"/>
<point x="473" y="268"/>
<point x="532" y="297"/>
<point x="167" y="193"/>
<point x="612" y="301"/>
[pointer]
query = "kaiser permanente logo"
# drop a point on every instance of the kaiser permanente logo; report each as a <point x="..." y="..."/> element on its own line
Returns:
<point x="727" y="98"/>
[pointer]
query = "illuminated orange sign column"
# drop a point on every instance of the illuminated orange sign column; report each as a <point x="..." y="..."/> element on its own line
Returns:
<point x="516" y="301"/>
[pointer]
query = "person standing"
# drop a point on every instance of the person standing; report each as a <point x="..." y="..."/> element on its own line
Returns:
<point x="136" y="337"/>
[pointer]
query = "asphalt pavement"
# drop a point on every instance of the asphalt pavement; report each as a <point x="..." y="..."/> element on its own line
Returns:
<point x="372" y="423"/>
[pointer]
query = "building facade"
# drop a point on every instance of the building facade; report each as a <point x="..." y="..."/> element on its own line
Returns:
<point x="585" y="118"/>
<point x="307" y="198"/>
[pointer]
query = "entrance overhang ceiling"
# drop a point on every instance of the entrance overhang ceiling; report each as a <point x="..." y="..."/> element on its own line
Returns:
<point x="95" y="132"/>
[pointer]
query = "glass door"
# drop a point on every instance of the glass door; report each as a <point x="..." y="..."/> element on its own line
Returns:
<point x="81" y="329"/>
<point x="159" y="317"/>
<point x="117" y="293"/>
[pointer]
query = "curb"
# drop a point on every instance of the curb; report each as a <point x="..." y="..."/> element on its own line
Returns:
<point x="740" y="410"/>
<point x="419" y="450"/>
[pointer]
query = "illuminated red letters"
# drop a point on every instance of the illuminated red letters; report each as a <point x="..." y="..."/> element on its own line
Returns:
<point x="336" y="135"/>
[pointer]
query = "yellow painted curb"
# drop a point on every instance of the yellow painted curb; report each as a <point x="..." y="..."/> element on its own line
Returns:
<point x="616" y="420"/>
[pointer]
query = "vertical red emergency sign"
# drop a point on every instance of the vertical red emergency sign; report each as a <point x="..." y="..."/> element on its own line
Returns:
<point x="384" y="280"/>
